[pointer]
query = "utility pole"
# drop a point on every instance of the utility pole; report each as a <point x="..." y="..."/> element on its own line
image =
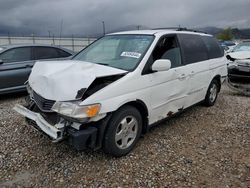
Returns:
<point x="103" y="27"/>
<point x="138" y="27"/>
<point x="49" y="33"/>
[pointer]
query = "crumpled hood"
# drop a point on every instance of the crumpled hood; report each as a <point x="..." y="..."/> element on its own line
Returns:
<point x="240" y="55"/>
<point x="61" y="80"/>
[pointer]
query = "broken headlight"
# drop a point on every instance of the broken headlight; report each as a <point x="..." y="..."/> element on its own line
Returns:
<point x="74" y="110"/>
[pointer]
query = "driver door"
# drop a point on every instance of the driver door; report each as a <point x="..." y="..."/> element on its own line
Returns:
<point x="168" y="88"/>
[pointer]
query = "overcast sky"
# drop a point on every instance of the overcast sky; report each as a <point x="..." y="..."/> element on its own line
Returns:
<point x="84" y="17"/>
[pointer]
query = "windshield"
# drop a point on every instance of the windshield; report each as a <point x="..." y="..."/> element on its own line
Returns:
<point x="119" y="51"/>
<point x="245" y="46"/>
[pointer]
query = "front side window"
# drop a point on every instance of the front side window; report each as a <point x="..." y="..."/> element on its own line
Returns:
<point x="118" y="51"/>
<point x="16" y="55"/>
<point x="168" y="48"/>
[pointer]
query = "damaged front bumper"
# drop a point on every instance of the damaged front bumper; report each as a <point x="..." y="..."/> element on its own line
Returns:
<point x="79" y="139"/>
<point x="55" y="133"/>
<point x="239" y="78"/>
<point x="239" y="87"/>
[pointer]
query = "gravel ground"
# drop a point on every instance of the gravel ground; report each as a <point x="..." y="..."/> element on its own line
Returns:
<point x="203" y="147"/>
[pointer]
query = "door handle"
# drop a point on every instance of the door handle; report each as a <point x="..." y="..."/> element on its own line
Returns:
<point x="192" y="73"/>
<point x="182" y="76"/>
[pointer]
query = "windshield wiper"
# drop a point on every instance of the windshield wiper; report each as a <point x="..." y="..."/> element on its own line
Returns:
<point x="103" y="64"/>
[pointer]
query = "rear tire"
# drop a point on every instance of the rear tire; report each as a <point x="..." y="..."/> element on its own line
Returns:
<point x="123" y="131"/>
<point x="212" y="93"/>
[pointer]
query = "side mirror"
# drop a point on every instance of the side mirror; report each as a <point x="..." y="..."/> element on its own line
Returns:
<point x="1" y="61"/>
<point x="161" y="65"/>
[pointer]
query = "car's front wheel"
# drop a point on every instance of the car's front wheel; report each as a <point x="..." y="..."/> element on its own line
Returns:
<point x="123" y="131"/>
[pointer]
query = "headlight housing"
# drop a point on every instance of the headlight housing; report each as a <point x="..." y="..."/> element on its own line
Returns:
<point x="74" y="110"/>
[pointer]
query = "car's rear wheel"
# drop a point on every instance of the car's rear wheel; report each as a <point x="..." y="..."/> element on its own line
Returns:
<point x="123" y="131"/>
<point x="212" y="93"/>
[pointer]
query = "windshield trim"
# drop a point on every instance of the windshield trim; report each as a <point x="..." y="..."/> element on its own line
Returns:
<point x="140" y="59"/>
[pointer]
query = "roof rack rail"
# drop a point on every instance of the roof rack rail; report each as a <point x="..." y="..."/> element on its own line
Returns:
<point x="172" y="28"/>
<point x="179" y="29"/>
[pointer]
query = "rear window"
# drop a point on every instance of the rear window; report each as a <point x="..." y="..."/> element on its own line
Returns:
<point x="46" y="53"/>
<point x="2" y="49"/>
<point x="213" y="47"/>
<point x="63" y="53"/>
<point x="193" y="48"/>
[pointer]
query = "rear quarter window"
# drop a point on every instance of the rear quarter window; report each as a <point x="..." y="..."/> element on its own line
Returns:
<point x="63" y="53"/>
<point x="45" y="53"/>
<point x="213" y="47"/>
<point x="193" y="48"/>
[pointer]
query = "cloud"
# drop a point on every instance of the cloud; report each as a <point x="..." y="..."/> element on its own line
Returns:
<point x="85" y="17"/>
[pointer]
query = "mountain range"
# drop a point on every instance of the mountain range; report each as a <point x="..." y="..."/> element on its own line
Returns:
<point x="238" y="33"/>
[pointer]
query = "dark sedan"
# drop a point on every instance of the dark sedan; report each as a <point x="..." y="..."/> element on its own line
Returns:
<point x="16" y="62"/>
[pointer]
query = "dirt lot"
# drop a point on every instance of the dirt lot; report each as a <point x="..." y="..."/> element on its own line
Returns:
<point x="203" y="147"/>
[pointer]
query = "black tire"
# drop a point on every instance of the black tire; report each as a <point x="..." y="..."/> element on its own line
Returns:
<point x="211" y="96"/>
<point x="110" y="144"/>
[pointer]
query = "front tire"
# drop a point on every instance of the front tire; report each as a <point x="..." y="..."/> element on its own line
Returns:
<point x="123" y="131"/>
<point x="212" y="93"/>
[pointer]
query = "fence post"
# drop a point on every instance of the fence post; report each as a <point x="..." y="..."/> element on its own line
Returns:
<point x="9" y="39"/>
<point x="33" y="38"/>
<point x="73" y="43"/>
<point x="53" y="39"/>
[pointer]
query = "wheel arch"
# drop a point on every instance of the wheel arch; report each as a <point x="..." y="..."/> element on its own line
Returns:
<point x="142" y="108"/>
<point x="218" y="79"/>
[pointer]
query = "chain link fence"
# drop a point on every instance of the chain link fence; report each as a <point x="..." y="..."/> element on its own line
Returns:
<point x="71" y="43"/>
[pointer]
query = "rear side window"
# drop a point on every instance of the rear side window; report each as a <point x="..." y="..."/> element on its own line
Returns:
<point x="16" y="55"/>
<point x="63" y="53"/>
<point x="193" y="48"/>
<point x="213" y="47"/>
<point x="45" y="53"/>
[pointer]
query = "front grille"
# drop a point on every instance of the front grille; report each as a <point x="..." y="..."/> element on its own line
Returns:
<point x="44" y="104"/>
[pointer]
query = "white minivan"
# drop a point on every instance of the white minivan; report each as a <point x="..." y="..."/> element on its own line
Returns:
<point x="119" y="86"/>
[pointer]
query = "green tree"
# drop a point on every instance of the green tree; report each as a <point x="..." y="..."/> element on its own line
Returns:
<point x="226" y="34"/>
